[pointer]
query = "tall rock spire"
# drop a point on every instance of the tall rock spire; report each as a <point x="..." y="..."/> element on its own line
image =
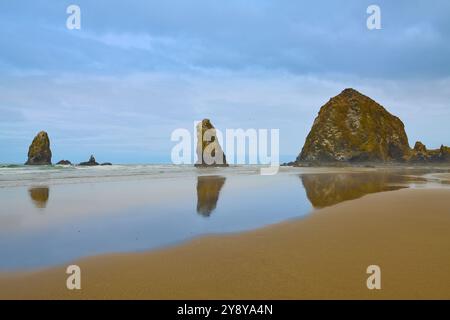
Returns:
<point x="209" y="151"/>
<point x="39" y="152"/>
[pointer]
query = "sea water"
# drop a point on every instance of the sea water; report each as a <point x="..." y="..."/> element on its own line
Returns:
<point x="52" y="215"/>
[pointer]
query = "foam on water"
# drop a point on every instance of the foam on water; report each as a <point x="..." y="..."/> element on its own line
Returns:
<point x="21" y="175"/>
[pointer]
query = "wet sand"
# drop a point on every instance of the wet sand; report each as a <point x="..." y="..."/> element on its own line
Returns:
<point x="324" y="256"/>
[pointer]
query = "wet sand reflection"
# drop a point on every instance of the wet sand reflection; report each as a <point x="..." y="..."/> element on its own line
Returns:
<point x="39" y="196"/>
<point x="208" y="191"/>
<point x="325" y="190"/>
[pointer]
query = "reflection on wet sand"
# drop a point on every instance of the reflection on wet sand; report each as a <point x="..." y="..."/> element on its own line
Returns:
<point x="325" y="190"/>
<point x="39" y="196"/>
<point x="208" y="190"/>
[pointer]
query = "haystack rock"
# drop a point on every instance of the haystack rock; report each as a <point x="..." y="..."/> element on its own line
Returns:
<point x="209" y="151"/>
<point x="351" y="127"/>
<point x="39" y="152"/>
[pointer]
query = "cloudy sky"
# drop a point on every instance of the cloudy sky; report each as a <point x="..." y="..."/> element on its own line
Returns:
<point x="137" y="70"/>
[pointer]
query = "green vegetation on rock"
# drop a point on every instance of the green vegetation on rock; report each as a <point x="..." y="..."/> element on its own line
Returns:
<point x="39" y="152"/>
<point x="351" y="127"/>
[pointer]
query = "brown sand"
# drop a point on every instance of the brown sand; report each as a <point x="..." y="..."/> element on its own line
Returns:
<point x="405" y="232"/>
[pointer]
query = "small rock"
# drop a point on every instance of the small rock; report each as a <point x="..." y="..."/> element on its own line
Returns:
<point x="65" y="163"/>
<point x="91" y="162"/>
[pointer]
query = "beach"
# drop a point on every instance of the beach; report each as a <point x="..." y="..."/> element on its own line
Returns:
<point x="323" y="255"/>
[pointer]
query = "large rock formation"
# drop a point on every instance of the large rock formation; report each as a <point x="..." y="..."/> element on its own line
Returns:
<point x="354" y="128"/>
<point x="209" y="151"/>
<point x="39" y="152"/>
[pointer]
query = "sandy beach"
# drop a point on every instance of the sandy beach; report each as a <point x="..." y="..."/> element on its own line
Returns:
<point x="324" y="255"/>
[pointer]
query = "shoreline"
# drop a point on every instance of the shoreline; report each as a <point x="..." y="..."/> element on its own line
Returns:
<point x="321" y="256"/>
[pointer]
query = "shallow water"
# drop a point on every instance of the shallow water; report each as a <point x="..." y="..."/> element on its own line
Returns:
<point x="54" y="215"/>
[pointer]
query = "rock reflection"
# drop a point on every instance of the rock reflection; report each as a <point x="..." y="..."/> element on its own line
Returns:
<point x="208" y="191"/>
<point x="325" y="190"/>
<point x="39" y="196"/>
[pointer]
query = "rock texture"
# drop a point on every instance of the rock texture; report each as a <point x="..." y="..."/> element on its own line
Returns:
<point x="91" y="162"/>
<point x="351" y="127"/>
<point x="39" y="152"/>
<point x="420" y="154"/>
<point x="209" y="151"/>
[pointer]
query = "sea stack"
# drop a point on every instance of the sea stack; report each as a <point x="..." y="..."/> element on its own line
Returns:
<point x="351" y="127"/>
<point x="209" y="151"/>
<point x="39" y="152"/>
<point x="91" y="162"/>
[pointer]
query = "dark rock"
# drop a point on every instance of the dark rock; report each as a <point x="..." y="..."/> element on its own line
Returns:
<point x="65" y="163"/>
<point x="106" y="164"/>
<point x="209" y="151"/>
<point x="351" y="127"/>
<point x="39" y="152"/>
<point x="91" y="162"/>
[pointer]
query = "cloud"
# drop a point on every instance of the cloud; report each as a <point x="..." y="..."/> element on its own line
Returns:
<point x="136" y="113"/>
<point x="300" y="38"/>
<point x="138" y="69"/>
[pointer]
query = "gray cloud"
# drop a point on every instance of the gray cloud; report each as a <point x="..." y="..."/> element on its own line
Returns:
<point x="139" y="69"/>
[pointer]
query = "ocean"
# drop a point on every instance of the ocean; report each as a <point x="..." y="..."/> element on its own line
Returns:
<point x="51" y="215"/>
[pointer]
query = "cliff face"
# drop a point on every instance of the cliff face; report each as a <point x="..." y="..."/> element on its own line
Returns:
<point x="354" y="128"/>
<point x="209" y="151"/>
<point x="39" y="152"/>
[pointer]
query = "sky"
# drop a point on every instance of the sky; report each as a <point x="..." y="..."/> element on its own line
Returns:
<point x="137" y="70"/>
